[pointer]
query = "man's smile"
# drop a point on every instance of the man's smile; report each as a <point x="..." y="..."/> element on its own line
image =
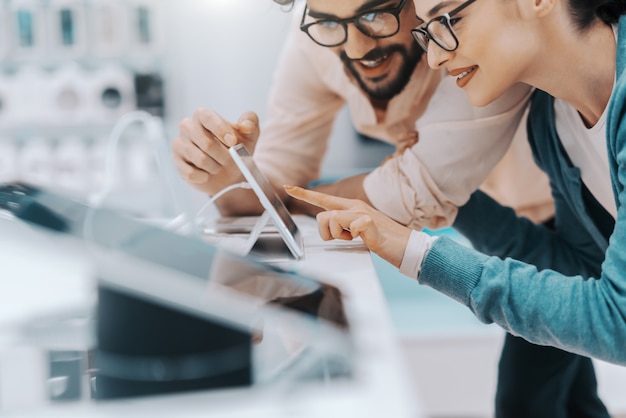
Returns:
<point x="373" y="63"/>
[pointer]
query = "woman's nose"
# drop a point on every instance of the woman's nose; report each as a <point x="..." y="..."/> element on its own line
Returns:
<point x="437" y="56"/>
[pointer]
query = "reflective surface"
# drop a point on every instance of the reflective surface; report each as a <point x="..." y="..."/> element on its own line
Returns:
<point x="174" y="313"/>
<point x="123" y="236"/>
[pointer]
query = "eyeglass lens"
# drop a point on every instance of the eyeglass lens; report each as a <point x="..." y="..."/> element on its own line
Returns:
<point x="438" y="30"/>
<point x="421" y="38"/>
<point x="329" y="32"/>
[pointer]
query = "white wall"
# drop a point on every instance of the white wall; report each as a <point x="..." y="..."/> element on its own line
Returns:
<point x="221" y="54"/>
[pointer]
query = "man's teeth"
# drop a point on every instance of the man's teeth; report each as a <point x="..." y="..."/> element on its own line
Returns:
<point x="372" y="63"/>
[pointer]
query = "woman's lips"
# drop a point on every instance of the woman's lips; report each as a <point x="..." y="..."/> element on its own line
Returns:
<point x="464" y="75"/>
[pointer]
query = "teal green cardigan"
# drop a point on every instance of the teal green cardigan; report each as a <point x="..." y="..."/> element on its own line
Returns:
<point x="572" y="292"/>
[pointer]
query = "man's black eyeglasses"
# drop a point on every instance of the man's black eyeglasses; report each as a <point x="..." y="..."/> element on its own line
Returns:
<point x="439" y="29"/>
<point x="381" y="23"/>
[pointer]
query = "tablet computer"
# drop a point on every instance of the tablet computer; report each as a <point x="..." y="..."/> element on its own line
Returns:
<point x="270" y="200"/>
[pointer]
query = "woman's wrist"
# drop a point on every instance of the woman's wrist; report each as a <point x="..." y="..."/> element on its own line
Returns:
<point x="417" y="248"/>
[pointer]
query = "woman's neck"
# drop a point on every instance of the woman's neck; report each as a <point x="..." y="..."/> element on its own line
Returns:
<point x="578" y="68"/>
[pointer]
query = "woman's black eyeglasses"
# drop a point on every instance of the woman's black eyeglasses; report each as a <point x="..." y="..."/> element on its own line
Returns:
<point x="439" y="29"/>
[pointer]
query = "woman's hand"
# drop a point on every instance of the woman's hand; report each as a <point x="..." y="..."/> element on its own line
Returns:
<point x="347" y="219"/>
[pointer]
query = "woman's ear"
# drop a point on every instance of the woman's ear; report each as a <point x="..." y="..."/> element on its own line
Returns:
<point x="541" y="7"/>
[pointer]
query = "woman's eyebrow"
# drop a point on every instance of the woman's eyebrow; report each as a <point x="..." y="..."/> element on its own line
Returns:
<point x="437" y="8"/>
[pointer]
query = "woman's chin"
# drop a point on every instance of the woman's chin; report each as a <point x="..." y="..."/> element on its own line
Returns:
<point x="479" y="98"/>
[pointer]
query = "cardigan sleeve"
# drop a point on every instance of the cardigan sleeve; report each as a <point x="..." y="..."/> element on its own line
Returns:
<point x="579" y="315"/>
<point x="568" y="249"/>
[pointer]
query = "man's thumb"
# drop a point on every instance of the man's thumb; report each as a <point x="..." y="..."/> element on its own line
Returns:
<point x="248" y="124"/>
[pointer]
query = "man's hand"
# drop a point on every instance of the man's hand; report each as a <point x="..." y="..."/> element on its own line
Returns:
<point x="200" y="151"/>
<point x="347" y="219"/>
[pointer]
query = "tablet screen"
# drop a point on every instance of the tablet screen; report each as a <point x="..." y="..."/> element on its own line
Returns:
<point x="269" y="199"/>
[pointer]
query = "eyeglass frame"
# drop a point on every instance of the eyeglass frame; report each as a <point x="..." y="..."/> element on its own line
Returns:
<point x="444" y="19"/>
<point x="394" y="11"/>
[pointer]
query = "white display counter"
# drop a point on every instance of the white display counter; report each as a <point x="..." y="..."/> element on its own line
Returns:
<point x="40" y="280"/>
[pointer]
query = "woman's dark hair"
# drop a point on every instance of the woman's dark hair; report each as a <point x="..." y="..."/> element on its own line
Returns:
<point x="584" y="12"/>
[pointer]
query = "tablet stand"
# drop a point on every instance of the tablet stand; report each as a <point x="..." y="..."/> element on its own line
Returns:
<point x="268" y="248"/>
<point x="256" y="232"/>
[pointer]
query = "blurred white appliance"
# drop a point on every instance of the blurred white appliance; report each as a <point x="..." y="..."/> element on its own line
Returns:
<point x="67" y="96"/>
<point x="27" y="28"/>
<point x="67" y="27"/>
<point x="109" y="34"/>
<point x="111" y="93"/>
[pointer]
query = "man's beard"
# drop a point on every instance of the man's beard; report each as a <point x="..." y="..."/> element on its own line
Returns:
<point x="389" y="87"/>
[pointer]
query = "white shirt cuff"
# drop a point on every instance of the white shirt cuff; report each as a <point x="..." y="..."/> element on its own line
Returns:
<point x="415" y="253"/>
